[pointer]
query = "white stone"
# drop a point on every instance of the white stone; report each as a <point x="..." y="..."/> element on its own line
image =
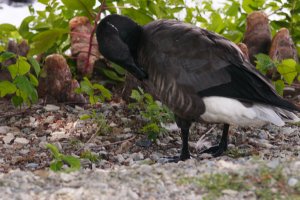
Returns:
<point x="113" y="125"/>
<point x="32" y="119"/>
<point x="4" y="129"/>
<point x="292" y="181"/>
<point x="58" y="135"/>
<point x="78" y="108"/>
<point x="8" y="138"/>
<point x="21" y="141"/>
<point x="229" y="192"/>
<point x="42" y="145"/>
<point x="50" y="107"/>
<point x="126" y="130"/>
<point x="159" y="103"/>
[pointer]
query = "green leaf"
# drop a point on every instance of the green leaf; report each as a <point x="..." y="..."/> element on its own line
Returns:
<point x="33" y="95"/>
<point x="74" y="162"/>
<point x="131" y="105"/>
<point x="147" y="115"/>
<point x="138" y="16"/>
<point x="43" y="26"/>
<point x="56" y="166"/>
<point x="85" y="87"/>
<point x="24" y="66"/>
<point x="78" y="90"/>
<point x="297" y="68"/>
<point x="6" y="55"/>
<point x="171" y="115"/>
<point x="7" y="27"/>
<point x="7" y="87"/>
<point x="33" y="79"/>
<point x="24" y="28"/>
<point x="233" y="10"/>
<point x="45" y="2"/>
<point x="136" y="95"/>
<point x="17" y="100"/>
<point x="54" y="150"/>
<point x="250" y="5"/>
<point x="13" y="69"/>
<point x="35" y="65"/>
<point x="264" y="62"/>
<point x="87" y="80"/>
<point x="287" y="69"/>
<point x="217" y="23"/>
<point x="45" y="40"/>
<point x="84" y="117"/>
<point x="101" y="98"/>
<point x="149" y="97"/>
<point x="279" y="85"/>
<point x="112" y="75"/>
<point x="79" y="4"/>
<point x="22" y="94"/>
<point x="42" y="14"/>
<point x="24" y="84"/>
<point x="103" y="90"/>
<point x="92" y="100"/>
<point x="119" y="69"/>
<point x="141" y="89"/>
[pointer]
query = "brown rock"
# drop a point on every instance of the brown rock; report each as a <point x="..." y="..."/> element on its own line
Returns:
<point x="59" y="84"/>
<point x="244" y="49"/>
<point x="257" y="35"/>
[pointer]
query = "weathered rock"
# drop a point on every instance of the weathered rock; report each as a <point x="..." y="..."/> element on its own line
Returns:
<point x="144" y="143"/>
<point x="21" y="141"/>
<point x="8" y="138"/>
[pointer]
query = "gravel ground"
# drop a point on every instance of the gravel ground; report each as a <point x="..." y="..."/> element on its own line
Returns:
<point x="262" y="162"/>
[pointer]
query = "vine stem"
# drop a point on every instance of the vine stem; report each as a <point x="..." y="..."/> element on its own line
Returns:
<point x="92" y="36"/>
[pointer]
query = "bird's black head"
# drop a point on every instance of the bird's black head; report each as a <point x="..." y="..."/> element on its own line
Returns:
<point x="118" y="39"/>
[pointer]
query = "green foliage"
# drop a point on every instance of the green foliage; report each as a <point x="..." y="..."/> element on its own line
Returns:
<point x="88" y="155"/>
<point x="75" y="143"/>
<point x="21" y="85"/>
<point x="58" y="160"/>
<point x="88" y="88"/>
<point x="287" y="68"/>
<point x="154" y="112"/>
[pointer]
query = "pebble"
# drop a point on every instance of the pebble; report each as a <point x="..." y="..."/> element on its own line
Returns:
<point x="8" y="138"/>
<point x="262" y="134"/>
<point x="126" y="130"/>
<point x="292" y="181"/>
<point x="42" y="145"/>
<point x="4" y="129"/>
<point x="50" y="107"/>
<point x="32" y="165"/>
<point x="287" y="130"/>
<point x="154" y="157"/>
<point x="273" y="164"/>
<point x="21" y="141"/>
<point x="143" y="143"/>
<point x="58" y="146"/>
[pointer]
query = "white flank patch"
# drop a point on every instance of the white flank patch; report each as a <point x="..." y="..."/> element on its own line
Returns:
<point x="231" y="111"/>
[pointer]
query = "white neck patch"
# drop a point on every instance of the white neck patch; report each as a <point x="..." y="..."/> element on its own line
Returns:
<point x="113" y="26"/>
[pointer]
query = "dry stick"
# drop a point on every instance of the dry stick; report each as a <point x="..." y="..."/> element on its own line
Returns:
<point x="275" y="11"/>
<point x="93" y="134"/>
<point x="199" y="141"/>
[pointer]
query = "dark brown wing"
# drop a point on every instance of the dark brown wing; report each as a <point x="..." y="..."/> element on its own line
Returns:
<point x="183" y="60"/>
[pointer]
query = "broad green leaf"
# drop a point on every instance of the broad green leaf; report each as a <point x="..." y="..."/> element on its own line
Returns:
<point x="24" y="66"/>
<point x="33" y="79"/>
<point x="119" y="69"/>
<point x="33" y="95"/>
<point x="53" y="149"/>
<point x="57" y="22"/>
<point x="141" y="89"/>
<point x="17" y="100"/>
<point x="6" y="55"/>
<point x="147" y="115"/>
<point x="103" y="90"/>
<point x="24" y="84"/>
<point x="35" y="65"/>
<point x="56" y="166"/>
<point x="45" y="40"/>
<point x="7" y="28"/>
<point x="84" y="117"/>
<point x="169" y="112"/>
<point x="112" y="75"/>
<point x="131" y="105"/>
<point x="287" y="69"/>
<point x="250" y="5"/>
<point x="22" y="94"/>
<point x="92" y="100"/>
<point x="28" y="102"/>
<point x="24" y="28"/>
<point x="279" y="85"/>
<point x="233" y="10"/>
<point x="74" y="162"/>
<point x="138" y="16"/>
<point x="45" y="2"/>
<point x="101" y="98"/>
<point x="136" y="95"/>
<point x="13" y="69"/>
<point x="149" y="97"/>
<point x="87" y="80"/>
<point x="264" y="63"/>
<point x="78" y="90"/>
<point x="43" y="72"/>
<point x="85" y="87"/>
<point x="41" y="27"/>
<point x="297" y="68"/>
<point x="217" y="23"/>
<point x="7" y="87"/>
<point x="79" y="4"/>
<point x="42" y="14"/>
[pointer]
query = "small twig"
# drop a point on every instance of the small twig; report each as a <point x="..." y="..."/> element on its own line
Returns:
<point x="93" y="134"/>
<point x="87" y="10"/>
<point x="104" y="145"/>
<point x="275" y="11"/>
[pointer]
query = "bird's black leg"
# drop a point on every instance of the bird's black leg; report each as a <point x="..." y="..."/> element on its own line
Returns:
<point x="185" y="153"/>
<point x="219" y="149"/>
